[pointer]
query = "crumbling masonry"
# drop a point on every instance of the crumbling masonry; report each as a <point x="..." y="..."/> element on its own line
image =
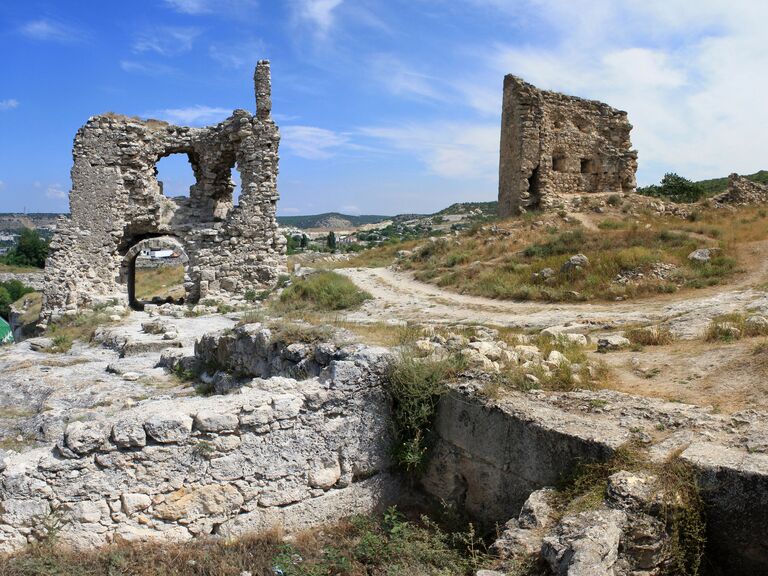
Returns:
<point x="117" y="202"/>
<point x="553" y="144"/>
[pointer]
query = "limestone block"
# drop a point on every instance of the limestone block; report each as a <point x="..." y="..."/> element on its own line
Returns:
<point x="132" y="503"/>
<point x="85" y="437"/>
<point x="129" y="434"/>
<point x="210" y="421"/>
<point x="168" y="428"/>
<point x="215" y="501"/>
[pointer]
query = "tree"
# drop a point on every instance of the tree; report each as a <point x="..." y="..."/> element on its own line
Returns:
<point x="332" y="241"/>
<point x="675" y="188"/>
<point x="304" y="240"/>
<point x="10" y="291"/>
<point x="31" y="250"/>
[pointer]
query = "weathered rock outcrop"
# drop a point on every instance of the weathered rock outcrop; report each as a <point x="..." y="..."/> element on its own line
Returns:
<point x="278" y="452"/>
<point x="117" y="203"/>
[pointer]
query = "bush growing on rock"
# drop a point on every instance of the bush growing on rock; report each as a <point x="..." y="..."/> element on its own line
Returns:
<point x="416" y="385"/>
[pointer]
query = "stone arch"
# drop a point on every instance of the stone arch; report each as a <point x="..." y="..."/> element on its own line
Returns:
<point x="127" y="276"/>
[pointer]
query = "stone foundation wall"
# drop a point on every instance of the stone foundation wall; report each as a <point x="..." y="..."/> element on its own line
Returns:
<point x="279" y="452"/>
<point x="490" y="455"/>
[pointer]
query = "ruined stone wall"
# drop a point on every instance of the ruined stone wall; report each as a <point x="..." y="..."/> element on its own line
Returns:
<point x="553" y="144"/>
<point x="116" y="201"/>
<point x="741" y="192"/>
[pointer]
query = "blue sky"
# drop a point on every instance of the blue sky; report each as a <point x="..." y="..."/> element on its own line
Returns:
<point x="385" y="106"/>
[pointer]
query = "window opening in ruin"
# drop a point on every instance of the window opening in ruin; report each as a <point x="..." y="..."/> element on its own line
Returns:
<point x="238" y="186"/>
<point x="175" y="176"/>
<point x="533" y="189"/>
<point x="559" y="163"/>
<point x="156" y="271"/>
<point x="587" y="166"/>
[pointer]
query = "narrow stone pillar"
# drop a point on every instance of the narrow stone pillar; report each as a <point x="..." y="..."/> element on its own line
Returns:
<point x="262" y="79"/>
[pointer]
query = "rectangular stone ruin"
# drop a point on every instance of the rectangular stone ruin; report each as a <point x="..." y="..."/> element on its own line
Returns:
<point x="554" y="145"/>
<point x="117" y="205"/>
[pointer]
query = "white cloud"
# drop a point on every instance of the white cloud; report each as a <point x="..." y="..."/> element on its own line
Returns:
<point x="319" y="13"/>
<point x="220" y="7"/>
<point x="166" y="40"/>
<point x="400" y="80"/>
<point x="147" y="68"/>
<point x="688" y="77"/>
<point x="2" y="184"/>
<point x="189" y="6"/>
<point x="350" y="209"/>
<point x="55" y="192"/>
<point x="243" y="55"/>
<point x="449" y="149"/>
<point x="9" y="104"/>
<point x="191" y="116"/>
<point x="47" y="29"/>
<point x="311" y="142"/>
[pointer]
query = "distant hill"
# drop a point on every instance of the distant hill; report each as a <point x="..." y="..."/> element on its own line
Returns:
<point x="17" y="221"/>
<point x="487" y="208"/>
<point x="717" y="185"/>
<point x="330" y="220"/>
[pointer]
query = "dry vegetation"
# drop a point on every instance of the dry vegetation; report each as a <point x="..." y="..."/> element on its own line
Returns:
<point x="163" y="282"/>
<point x="630" y="256"/>
<point x="378" y="545"/>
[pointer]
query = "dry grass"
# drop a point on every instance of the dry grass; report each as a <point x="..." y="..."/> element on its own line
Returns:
<point x="13" y="269"/>
<point x="508" y="265"/>
<point x="388" y="544"/>
<point x="649" y="336"/>
<point x="164" y="282"/>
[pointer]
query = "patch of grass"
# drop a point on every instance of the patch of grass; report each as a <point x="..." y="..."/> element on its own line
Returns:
<point x="68" y="329"/>
<point x="725" y="328"/>
<point x="323" y="291"/>
<point x="287" y="332"/>
<point x="507" y="265"/>
<point x="391" y="544"/>
<point x="162" y="282"/>
<point x="610" y="224"/>
<point x="649" y="336"/>
<point x="416" y="386"/>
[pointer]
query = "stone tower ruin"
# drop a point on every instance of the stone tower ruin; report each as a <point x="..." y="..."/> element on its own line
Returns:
<point x="553" y="145"/>
<point x="117" y="204"/>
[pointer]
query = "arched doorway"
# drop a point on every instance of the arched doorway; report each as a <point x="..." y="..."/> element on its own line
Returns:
<point x="154" y="271"/>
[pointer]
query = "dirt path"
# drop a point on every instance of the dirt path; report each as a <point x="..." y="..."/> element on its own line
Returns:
<point x="397" y="296"/>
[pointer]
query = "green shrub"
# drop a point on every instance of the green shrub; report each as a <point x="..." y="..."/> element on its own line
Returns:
<point x="10" y="291"/>
<point x="323" y="291"/>
<point x="30" y="250"/>
<point x="415" y="386"/>
<point x="674" y="188"/>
